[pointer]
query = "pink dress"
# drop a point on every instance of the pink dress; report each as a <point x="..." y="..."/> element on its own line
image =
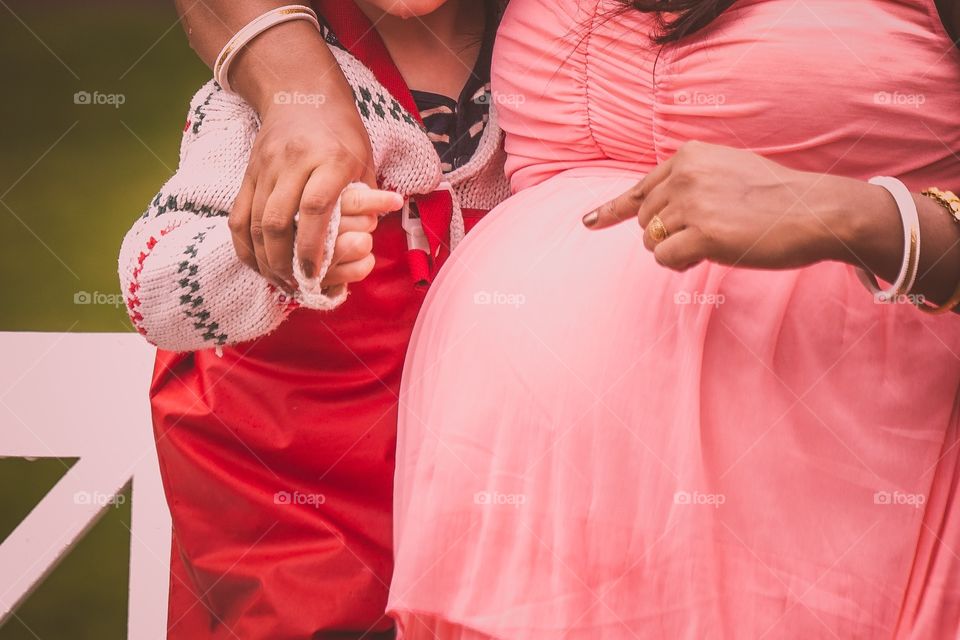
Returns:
<point x="593" y="447"/>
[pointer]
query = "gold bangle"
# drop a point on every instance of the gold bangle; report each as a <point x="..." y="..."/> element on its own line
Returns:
<point x="946" y="199"/>
<point x="947" y="306"/>
<point x="949" y="201"/>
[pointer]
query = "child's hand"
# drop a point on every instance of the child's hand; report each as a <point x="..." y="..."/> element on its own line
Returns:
<point x="360" y="210"/>
<point x="301" y="160"/>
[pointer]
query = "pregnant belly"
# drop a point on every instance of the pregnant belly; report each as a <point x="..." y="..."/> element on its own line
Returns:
<point x="629" y="412"/>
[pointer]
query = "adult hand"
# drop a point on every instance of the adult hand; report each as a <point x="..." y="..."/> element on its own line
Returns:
<point x="303" y="158"/>
<point x="735" y="207"/>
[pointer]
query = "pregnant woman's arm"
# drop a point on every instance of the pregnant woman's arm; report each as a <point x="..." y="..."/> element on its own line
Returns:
<point x="737" y="208"/>
<point x="304" y="155"/>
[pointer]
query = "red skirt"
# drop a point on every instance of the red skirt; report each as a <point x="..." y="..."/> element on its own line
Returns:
<point x="277" y="461"/>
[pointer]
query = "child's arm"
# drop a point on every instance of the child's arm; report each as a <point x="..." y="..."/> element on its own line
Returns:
<point x="184" y="285"/>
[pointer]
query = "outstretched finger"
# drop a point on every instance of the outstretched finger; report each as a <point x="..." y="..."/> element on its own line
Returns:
<point x="365" y="202"/>
<point x="627" y="205"/>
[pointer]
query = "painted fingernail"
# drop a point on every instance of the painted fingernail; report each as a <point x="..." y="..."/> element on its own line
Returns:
<point x="308" y="268"/>
<point x="591" y="219"/>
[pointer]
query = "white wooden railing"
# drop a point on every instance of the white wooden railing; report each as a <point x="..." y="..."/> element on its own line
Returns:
<point x="84" y="396"/>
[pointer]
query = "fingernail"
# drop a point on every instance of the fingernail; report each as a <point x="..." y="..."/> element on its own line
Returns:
<point x="591" y="219"/>
<point x="397" y="202"/>
<point x="308" y="268"/>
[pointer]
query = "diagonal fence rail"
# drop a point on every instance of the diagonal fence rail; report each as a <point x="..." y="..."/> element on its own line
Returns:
<point x="84" y="396"/>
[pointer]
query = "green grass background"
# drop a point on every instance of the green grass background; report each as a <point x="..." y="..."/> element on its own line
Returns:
<point x="72" y="178"/>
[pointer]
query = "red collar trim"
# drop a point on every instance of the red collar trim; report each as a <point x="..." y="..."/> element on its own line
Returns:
<point x="355" y="31"/>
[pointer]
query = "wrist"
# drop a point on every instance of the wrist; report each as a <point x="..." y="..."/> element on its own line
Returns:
<point x="289" y="58"/>
<point x="862" y="222"/>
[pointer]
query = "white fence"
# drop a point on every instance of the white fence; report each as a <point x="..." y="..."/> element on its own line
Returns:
<point x="84" y="396"/>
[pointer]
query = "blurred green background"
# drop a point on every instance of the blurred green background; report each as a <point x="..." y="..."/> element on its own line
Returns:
<point x="72" y="179"/>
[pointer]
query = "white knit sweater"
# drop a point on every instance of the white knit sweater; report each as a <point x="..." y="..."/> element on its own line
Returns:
<point x="186" y="289"/>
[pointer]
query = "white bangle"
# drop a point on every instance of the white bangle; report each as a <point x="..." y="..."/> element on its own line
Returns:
<point x="911" y="243"/>
<point x="221" y="68"/>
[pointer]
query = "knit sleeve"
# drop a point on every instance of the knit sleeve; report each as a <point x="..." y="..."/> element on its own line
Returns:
<point x="184" y="286"/>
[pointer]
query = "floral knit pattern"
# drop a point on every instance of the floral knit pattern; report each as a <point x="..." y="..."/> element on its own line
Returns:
<point x="184" y="286"/>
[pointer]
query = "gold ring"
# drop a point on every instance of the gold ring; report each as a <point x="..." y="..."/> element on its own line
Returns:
<point x="658" y="232"/>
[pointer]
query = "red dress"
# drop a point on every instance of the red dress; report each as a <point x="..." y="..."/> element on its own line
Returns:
<point x="278" y="457"/>
<point x="277" y="461"/>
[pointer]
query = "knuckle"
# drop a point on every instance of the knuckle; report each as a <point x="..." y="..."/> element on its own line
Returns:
<point x="256" y="232"/>
<point x="358" y="244"/>
<point x="369" y="266"/>
<point x="275" y="225"/>
<point x="237" y="224"/>
<point x="607" y="209"/>
<point x="296" y="147"/>
<point x="365" y="268"/>
<point x="339" y="156"/>
<point x="268" y="154"/>
<point x="351" y="200"/>
<point x="314" y="203"/>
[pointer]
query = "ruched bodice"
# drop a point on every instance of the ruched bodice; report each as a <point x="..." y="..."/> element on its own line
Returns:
<point x="854" y="87"/>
